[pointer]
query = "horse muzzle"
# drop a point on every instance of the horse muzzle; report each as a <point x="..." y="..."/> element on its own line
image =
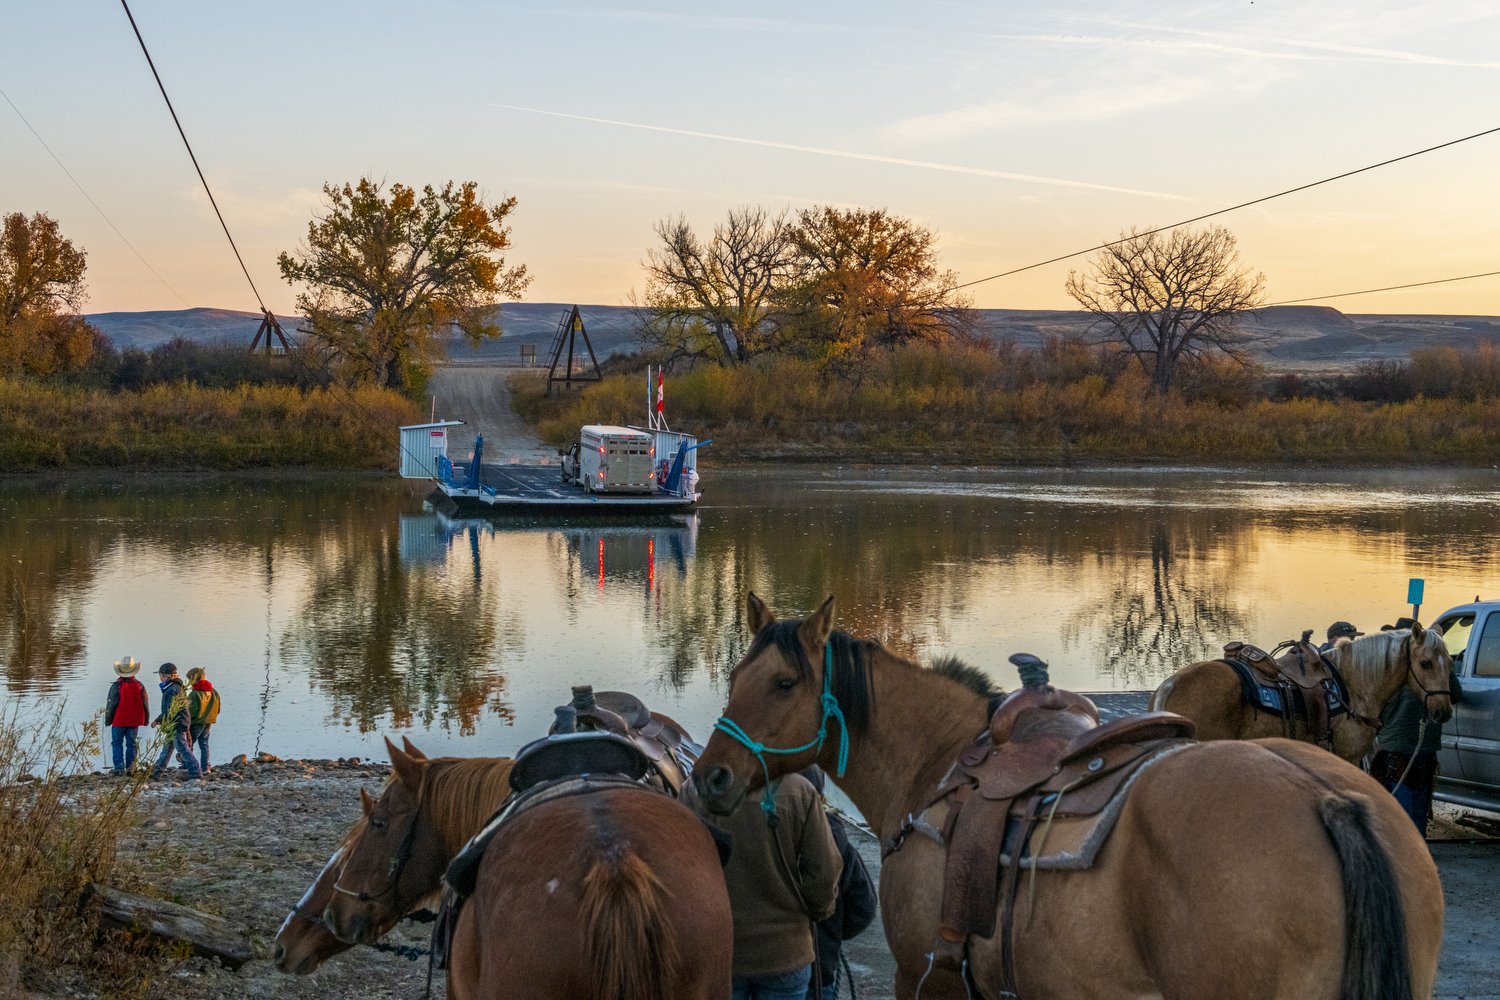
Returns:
<point x="719" y="789"/>
<point x="1440" y="708"/>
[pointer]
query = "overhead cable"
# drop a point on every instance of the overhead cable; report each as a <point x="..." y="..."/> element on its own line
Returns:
<point x="1231" y="208"/>
<point x="189" y="146"/>
<point x="1387" y="288"/>
<point x="91" y="201"/>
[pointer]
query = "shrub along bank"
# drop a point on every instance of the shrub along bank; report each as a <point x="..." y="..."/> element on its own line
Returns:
<point x="184" y="426"/>
<point x="986" y="405"/>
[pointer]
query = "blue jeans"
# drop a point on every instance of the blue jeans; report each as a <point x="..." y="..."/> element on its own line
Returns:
<point x="831" y="983"/>
<point x="122" y="744"/>
<point x="200" y="740"/>
<point x="787" y="986"/>
<point x="184" y="756"/>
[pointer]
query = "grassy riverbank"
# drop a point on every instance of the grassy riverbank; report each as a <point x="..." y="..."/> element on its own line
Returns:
<point x="982" y="405"/>
<point x="182" y="426"/>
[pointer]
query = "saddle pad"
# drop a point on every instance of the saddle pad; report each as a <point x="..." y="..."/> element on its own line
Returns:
<point x="1267" y="697"/>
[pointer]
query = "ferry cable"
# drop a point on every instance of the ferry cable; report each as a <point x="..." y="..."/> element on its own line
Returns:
<point x="91" y="201"/>
<point x="1231" y="208"/>
<point x="162" y="87"/>
<point x="348" y="396"/>
<point x="1387" y="288"/>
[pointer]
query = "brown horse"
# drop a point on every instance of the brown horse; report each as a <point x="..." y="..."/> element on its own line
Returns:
<point x="617" y="893"/>
<point x="305" y="941"/>
<point x="1265" y="869"/>
<point x="1374" y="669"/>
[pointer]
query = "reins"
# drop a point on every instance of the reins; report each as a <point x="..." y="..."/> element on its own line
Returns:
<point x="831" y="710"/>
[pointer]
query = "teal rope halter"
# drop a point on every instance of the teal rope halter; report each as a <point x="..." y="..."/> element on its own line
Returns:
<point x="831" y="710"/>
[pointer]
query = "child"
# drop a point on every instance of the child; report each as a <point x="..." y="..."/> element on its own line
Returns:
<point x="124" y="713"/>
<point x="174" y="724"/>
<point x="203" y="712"/>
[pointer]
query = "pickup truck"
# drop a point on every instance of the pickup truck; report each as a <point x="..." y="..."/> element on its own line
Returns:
<point x="1469" y="761"/>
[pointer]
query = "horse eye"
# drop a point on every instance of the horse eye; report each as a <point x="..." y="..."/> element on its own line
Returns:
<point x="786" y="684"/>
<point x="378" y="824"/>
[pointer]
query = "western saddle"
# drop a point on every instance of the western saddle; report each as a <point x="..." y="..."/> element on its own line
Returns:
<point x="1043" y="763"/>
<point x="1295" y="682"/>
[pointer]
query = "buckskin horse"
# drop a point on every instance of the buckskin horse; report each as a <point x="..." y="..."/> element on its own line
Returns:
<point x="1236" y="869"/>
<point x="476" y="786"/>
<point x="615" y="892"/>
<point x="1373" y="669"/>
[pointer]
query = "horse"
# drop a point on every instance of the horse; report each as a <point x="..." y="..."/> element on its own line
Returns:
<point x="1236" y="869"/>
<point x="1373" y="668"/>
<point x="478" y="786"/>
<point x="616" y="892"/>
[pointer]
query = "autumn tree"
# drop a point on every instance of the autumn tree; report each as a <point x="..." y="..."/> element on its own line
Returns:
<point x="390" y="274"/>
<point x="717" y="298"/>
<point x="41" y="292"/>
<point x="865" y="278"/>
<point x="1168" y="298"/>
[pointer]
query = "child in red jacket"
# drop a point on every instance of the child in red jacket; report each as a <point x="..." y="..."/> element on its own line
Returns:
<point x="124" y="713"/>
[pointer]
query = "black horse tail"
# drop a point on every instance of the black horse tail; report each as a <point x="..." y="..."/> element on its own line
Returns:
<point x="1377" y="963"/>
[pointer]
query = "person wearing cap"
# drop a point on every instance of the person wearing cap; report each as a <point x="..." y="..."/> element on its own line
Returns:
<point x="174" y="723"/>
<point x="853" y="910"/>
<point x="1407" y="745"/>
<point x="1337" y="631"/>
<point x="124" y="712"/>
<point x="203" y="712"/>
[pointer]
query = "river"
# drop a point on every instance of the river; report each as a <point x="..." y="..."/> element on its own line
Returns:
<point x="332" y="613"/>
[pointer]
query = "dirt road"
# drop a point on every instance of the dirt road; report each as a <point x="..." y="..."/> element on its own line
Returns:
<point x="479" y="395"/>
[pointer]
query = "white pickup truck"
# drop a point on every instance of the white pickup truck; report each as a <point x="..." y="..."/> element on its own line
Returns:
<point x="1469" y="762"/>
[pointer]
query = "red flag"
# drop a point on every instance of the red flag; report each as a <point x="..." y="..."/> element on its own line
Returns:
<point x="661" y="394"/>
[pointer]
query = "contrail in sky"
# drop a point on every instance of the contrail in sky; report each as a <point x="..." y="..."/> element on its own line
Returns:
<point x="846" y="155"/>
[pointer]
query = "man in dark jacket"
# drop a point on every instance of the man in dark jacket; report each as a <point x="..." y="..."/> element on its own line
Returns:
<point x="173" y="722"/>
<point x="1407" y="745"/>
<point x="853" y="911"/>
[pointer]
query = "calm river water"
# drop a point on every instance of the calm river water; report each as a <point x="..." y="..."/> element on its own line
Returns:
<point x="332" y="613"/>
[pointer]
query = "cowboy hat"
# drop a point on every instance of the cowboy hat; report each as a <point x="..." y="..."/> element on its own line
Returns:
<point x="127" y="667"/>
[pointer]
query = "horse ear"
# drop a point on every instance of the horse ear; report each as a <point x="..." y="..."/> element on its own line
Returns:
<point x="760" y="615"/>
<point x="366" y="802"/>
<point x="411" y="749"/>
<point x="816" y="626"/>
<point x="1417" y="631"/>
<point x="407" y="768"/>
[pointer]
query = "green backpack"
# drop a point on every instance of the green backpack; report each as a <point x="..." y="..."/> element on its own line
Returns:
<point x="205" y="712"/>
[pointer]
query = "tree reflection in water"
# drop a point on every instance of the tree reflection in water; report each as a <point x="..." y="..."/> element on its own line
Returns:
<point x="46" y="573"/>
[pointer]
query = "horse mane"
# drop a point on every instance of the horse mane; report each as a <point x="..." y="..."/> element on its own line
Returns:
<point x="1371" y="657"/>
<point x="460" y="793"/>
<point x="852" y="659"/>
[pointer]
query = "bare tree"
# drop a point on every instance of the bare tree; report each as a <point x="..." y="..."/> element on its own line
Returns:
<point x="1167" y="298"/>
<point x="716" y="298"/>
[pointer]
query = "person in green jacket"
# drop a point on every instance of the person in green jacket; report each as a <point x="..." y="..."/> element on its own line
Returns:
<point x="203" y="712"/>
<point x="783" y="876"/>
<point x="1407" y="745"/>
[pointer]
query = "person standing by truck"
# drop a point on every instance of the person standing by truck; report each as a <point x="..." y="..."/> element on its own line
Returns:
<point x="1407" y="744"/>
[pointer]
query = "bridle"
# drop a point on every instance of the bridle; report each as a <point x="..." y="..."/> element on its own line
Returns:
<point x="1411" y="673"/>
<point x="398" y="862"/>
<point x="831" y="710"/>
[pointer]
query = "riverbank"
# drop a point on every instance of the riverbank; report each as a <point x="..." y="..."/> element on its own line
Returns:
<point x="247" y="842"/>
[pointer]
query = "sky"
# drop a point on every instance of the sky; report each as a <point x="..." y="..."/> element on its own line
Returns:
<point x="1017" y="131"/>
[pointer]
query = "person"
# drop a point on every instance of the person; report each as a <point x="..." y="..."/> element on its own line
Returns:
<point x="125" y="712"/>
<point x="174" y="723"/>
<point x="203" y="712"/>
<point x="1406" y="747"/>
<point x="1337" y="631"/>
<point x="853" y="910"/>
<point x="782" y="874"/>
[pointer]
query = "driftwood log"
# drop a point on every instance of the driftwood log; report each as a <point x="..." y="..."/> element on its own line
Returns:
<point x="206" y="934"/>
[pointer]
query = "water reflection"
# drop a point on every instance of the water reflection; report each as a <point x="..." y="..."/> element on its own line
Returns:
<point x="332" y="612"/>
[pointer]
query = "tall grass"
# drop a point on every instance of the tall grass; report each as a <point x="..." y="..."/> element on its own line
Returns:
<point x="57" y="834"/>
<point x="183" y="426"/>
<point x="981" y="404"/>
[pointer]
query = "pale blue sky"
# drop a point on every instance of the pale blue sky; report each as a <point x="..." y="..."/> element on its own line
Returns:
<point x="1017" y="131"/>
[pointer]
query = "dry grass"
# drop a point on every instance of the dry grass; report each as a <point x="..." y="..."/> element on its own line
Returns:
<point x="56" y="836"/>
<point x="188" y="427"/>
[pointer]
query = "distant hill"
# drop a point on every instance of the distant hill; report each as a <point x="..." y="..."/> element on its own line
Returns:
<point x="1296" y="337"/>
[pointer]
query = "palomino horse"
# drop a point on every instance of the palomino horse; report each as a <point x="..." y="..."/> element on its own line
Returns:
<point x="1265" y="869"/>
<point x="617" y="893"/>
<point x="1374" y="669"/>
<point x="478" y="786"/>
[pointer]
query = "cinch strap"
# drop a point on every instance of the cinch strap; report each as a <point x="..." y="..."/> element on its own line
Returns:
<point x="831" y="709"/>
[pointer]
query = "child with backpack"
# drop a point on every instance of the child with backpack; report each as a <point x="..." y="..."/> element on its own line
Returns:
<point x="124" y="712"/>
<point x="203" y="712"/>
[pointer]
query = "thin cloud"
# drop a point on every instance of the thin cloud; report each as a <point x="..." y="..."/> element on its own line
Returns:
<point x="848" y="155"/>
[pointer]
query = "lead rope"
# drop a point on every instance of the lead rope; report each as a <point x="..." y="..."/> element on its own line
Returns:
<point x="1412" y="759"/>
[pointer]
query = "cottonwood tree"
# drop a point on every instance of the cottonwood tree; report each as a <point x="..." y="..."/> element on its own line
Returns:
<point x="389" y="274"/>
<point x="1166" y="298"/>
<point x="718" y="298"/>
<point x="41" y="292"/>
<point x="866" y="278"/>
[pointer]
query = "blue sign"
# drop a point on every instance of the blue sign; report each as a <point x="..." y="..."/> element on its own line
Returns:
<point x="1414" y="590"/>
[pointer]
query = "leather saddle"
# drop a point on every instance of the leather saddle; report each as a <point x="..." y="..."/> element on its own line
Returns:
<point x="1296" y="683"/>
<point x="1043" y="759"/>
<point x="669" y="750"/>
